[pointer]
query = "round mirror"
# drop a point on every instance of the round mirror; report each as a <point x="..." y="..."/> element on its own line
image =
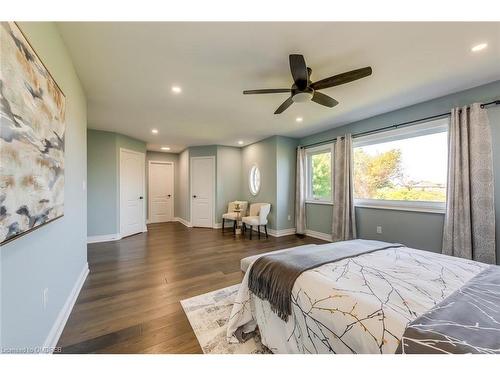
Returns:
<point x="254" y="180"/>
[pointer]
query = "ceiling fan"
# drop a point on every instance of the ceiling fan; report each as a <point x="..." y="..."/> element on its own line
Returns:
<point x="304" y="90"/>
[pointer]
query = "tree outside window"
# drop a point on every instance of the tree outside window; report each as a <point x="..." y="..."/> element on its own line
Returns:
<point x="319" y="171"/>
<point x="322" y="175"/>
<point x="397" y="170"/>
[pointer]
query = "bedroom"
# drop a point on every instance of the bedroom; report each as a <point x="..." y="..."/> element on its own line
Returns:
<point x="148" y="185"/>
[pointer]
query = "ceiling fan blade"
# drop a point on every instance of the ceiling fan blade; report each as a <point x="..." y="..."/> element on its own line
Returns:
<point x="299" y="71"/>
<point x="323" y="99"/>
<point x="287" y="103"/>
<point x="342" y="78"/>
<point x="266" y="91"/>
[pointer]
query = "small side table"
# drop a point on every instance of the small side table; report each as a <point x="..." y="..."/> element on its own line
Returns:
<point x="237" y="230"/>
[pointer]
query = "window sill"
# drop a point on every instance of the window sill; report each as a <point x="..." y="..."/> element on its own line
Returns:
<point x="431" y="210"/>
<point x="402" y="208"/>
<point x="319" y="202"/>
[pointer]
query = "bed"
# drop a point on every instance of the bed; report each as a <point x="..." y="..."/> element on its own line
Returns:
<point x="371" y="302"/>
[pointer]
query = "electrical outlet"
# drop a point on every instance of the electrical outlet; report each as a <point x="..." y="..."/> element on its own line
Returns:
<point x="379" y="229"/>
<point x="289" y="217"/>
<point x="45" y="298"/>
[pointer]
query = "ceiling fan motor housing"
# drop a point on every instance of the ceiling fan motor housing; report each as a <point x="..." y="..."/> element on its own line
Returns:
<point x="303" y="96"/>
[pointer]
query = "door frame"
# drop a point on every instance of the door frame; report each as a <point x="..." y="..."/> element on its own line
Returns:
<point x="214" y="176"/>
<point x="143" y="157"/>
<point x="149" y="186"/>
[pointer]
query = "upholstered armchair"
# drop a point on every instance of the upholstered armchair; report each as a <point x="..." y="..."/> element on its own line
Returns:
<point x="234" y="216"/>
<point x="258" y="216"/>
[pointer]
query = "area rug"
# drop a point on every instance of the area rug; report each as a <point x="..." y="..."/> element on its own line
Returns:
<point x="208" y="314"/>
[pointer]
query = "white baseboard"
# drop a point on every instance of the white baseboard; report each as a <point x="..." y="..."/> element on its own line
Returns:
<point x="62" y="317"/>
<point x="276" y="233"/>
<point x="286" y="232"/>
<point x="190" y="225"/>
<point x="282" y="232"/>
<point x="319" y="235"/>
<point x="104" y="238"/>
<point x="183" y="221"/>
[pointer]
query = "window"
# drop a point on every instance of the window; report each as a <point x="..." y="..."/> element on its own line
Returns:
<point x="319" y="174"/>
<point x="254" y="180"/>
<point x="404" y="168"/>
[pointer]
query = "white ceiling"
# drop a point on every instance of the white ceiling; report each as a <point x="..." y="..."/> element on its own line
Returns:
<point x="127" y="70"/>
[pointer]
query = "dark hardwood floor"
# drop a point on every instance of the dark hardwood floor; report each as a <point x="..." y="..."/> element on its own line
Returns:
<point x="130" y="300"/>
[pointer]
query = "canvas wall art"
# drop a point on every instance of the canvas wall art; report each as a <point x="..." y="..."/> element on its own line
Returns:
<point x="32" y="128"/>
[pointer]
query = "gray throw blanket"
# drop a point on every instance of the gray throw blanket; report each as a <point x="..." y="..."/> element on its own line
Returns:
<point x="467" y="321"/>
<point x="272" y="276"/>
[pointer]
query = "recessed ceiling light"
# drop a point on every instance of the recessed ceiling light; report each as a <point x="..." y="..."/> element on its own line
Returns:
<point x="166" y="148"/>
<point x="154" y="131"/>
<point x="240" y="142"/>
<point x="299" y="119"/>
<point x="176" y="89"/>
<point x="479" y="47"/>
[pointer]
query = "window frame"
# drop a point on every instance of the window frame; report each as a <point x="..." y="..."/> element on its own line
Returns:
<point x="424" y="128"/>
<point x="329" y="147"/>
<point x="253" y="170"/>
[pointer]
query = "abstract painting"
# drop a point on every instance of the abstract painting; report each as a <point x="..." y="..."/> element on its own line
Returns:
<point x="32" y="128"/>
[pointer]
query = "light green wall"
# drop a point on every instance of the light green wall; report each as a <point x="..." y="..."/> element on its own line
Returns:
<point x="421" y="230"/>
<point x="52" y="256"/>
<point x="103" y="166"/>
<point x="286" y="154"/>
<point x="263" y="154"/>
<point x="275" y="157"/>
<point x="395" y="225"/>
<point x="409" y="228"/>
<point x="102" y="183"/>
<point x="203" y="151"/>
<point x="123" y="141"/>
<point x="228" y="178"/>
<point x="319" y="218"/>
<point x="163" y="156"/>
<point x="182" y="204"/>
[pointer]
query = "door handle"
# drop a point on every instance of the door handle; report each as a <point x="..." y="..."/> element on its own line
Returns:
<point x="169" y="195"/>
<point x="141" y="197"/>
<point x="194" y="196"/>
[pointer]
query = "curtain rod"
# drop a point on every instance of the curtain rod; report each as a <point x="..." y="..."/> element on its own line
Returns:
<point x="395" y="126"/>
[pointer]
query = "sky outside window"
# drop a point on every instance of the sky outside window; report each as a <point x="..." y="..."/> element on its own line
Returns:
<point x="408" y="169"/>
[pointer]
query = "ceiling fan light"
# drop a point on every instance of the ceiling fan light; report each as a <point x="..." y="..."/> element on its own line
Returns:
<point x="479" y="47"/>
<point x="302" y="97"/>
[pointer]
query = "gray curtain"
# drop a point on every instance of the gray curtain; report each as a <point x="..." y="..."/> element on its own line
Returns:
<point x="469" y="229"/>
<point x="343" y="223"/>
<point x="300" y="192"/>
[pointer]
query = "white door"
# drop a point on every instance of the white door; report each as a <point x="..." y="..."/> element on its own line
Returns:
<point x="132" y="167"/>
<point x="161" y="192"/>
<point x="202" y="191"/>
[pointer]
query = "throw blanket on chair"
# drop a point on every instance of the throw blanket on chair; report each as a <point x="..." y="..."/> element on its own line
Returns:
<point x="467" y="321"/>
<point x="272" y="276"/>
